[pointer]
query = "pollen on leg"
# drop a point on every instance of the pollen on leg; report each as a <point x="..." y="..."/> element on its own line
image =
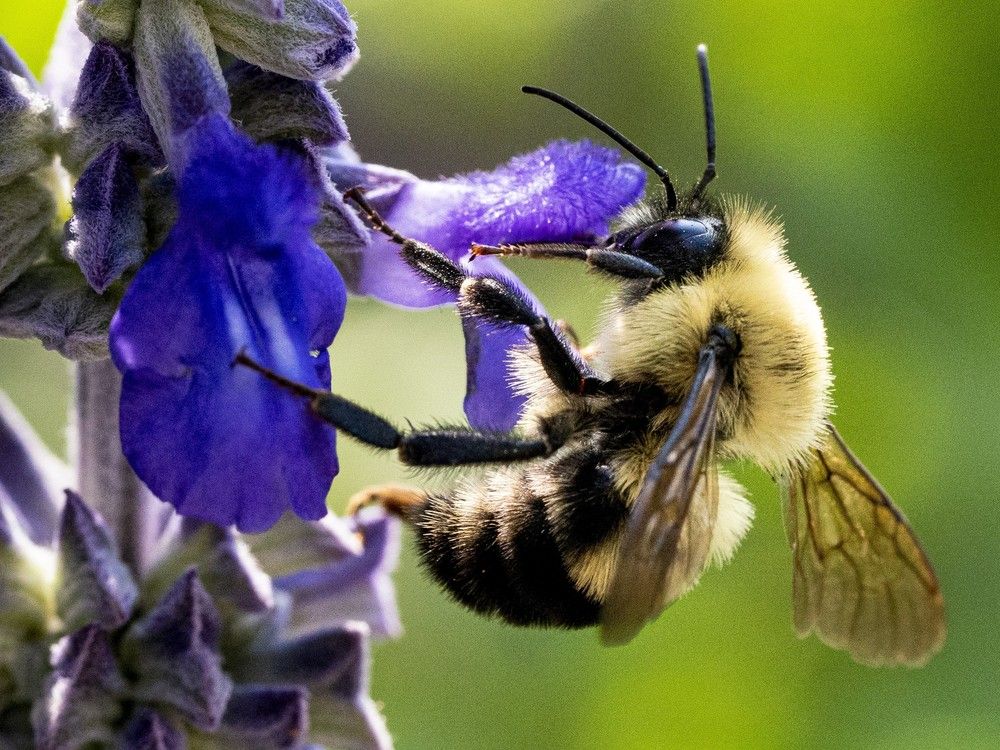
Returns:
<point x="397" y="499"/>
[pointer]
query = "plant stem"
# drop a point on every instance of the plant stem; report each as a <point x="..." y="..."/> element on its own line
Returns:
<point x="105" y="479"/>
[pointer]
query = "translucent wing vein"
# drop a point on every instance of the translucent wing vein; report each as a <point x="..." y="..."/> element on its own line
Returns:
<point x="861" y="581"/>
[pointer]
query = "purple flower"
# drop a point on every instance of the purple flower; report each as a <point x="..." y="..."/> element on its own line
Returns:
<point x="218" y="638"/>
<point x="561" y="192"/>
<point x="238" y="271"/>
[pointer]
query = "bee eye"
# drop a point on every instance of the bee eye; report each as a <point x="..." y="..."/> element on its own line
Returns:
<point x="679" y="246"/>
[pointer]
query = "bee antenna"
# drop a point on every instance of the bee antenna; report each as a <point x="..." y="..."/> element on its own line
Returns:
<point x="614" y="135"/>
<point x="706" y="92"/>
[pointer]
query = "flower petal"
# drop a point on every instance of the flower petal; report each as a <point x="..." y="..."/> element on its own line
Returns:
<point x="239" y="272"/>
<point x="561" y="192"/>
<point x="357" y="587"/>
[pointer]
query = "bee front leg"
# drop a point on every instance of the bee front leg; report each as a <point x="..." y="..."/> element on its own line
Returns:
<point x="496" y="301"/>
<point x="610" y="262"/>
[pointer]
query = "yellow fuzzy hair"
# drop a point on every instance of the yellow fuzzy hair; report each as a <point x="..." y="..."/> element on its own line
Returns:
<point x="775" y="410"/>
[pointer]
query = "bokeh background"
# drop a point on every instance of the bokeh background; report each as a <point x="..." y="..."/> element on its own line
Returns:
<point x="872" y="127"/>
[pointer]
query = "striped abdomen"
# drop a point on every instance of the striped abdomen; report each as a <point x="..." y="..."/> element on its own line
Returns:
<point x="510" y="544"/>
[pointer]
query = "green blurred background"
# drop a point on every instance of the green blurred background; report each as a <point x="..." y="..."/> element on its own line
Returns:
<point x="872" y="128"/>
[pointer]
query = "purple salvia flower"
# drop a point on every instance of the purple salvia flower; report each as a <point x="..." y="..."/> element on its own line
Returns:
<point x="230" y="653"/>
<point x="559" y="193"/>
<point x="238" y="272"/>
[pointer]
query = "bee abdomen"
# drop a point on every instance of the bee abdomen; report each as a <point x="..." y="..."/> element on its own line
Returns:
<point x="501" y="557"/>
<point x="510" y="546"/>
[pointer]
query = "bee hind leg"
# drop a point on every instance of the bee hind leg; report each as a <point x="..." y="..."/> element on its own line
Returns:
<point x="397" y="499"/>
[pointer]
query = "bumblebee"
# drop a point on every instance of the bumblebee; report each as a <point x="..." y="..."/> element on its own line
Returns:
<point x="608" y="501"/>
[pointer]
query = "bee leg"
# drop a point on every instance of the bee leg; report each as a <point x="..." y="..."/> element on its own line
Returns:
<point x="439" y="446"/>
<point x="397" y="499"/>
<point x="610" y="262"/>
<point x="494" y="300"/>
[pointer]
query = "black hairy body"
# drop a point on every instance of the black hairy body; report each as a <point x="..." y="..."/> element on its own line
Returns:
<point x="501" y="545"/>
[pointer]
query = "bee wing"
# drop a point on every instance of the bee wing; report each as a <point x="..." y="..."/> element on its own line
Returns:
<point x="664" y="548"/>
<point x="861" y="580"/>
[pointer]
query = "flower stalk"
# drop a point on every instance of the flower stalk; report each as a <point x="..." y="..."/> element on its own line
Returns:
<point x="104" y="476"/>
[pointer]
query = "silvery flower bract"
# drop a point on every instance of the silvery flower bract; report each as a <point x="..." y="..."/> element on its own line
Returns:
<point x="238" y="272"/>
<point x="203" y="648"/>
<point x="559" y="193"/>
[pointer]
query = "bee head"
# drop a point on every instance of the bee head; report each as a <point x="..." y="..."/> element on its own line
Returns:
<point x="681" y="246"/>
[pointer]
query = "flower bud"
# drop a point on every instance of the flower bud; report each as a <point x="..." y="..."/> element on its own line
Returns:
<point x="53" y="302"/>
<point x="107" y="233"/>
<point x="80" y="703"/>
<point x="27" y="126"/>
<point x="175" y="651"/>
<point x="106" y="110"/>
<point x="178" y="73"/>
<point x="92" y="584"/>
<point x="272" y="107"/>
<point x="25" y="226"/>
<point x="149" y="730"/>
<point x="107" y="19"/>
<point x="313" y="40"/>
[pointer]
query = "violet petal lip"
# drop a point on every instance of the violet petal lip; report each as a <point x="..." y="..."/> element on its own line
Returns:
<point x="238" y="272"/>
